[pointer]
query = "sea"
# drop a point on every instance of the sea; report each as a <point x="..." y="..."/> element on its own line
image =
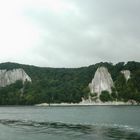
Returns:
<point x="70" y="123"/>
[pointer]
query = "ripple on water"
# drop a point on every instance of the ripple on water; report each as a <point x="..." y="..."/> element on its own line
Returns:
<point x="97" y="131"/>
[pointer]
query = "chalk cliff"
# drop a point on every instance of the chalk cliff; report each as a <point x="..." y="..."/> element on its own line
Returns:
<point x="102" y="81"/>
<point x="8" y="77"/>
<point x="127" y="74"/>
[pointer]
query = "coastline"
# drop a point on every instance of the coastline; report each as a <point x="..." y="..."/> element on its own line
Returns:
<point x="89" y="104"/>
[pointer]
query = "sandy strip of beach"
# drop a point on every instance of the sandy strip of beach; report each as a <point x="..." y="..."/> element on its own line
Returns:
<point x="86" y="104"/>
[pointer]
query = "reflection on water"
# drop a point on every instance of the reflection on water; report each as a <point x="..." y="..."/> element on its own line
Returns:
<point x="88" y="131"/>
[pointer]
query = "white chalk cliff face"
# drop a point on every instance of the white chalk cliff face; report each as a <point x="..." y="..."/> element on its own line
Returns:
<point x="127" y="74"/>
<point x="102" y="81"/>
<point x="11" y="76"/>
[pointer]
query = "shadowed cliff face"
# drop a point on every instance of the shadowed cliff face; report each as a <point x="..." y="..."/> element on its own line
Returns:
<point x="11" y="76"/>
<point x="102" y="81"/>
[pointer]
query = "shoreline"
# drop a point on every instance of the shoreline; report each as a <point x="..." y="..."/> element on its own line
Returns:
<point x="90" y="104"/>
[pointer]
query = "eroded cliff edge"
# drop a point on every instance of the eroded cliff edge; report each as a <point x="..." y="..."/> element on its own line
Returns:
<point x="102" y="88"/>
<point x="8" y="77"/>
<point x="102" y="81"/>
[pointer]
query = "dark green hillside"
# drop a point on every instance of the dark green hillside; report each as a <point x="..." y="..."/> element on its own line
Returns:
<point x="55" y="85"/>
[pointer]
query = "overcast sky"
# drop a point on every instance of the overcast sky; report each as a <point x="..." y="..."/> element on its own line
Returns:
<point x="69" y="33"/>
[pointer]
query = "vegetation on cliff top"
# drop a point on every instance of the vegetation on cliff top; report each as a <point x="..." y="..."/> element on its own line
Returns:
<point x="55" y="85"/>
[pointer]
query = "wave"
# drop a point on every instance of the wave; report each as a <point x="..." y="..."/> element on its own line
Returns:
<point x="106" y="130"/>
<point x="62" y="124"/>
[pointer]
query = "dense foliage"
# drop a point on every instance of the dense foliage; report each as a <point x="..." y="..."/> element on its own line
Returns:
<point x="55" y="85"/>
<point x="105" y="96"/>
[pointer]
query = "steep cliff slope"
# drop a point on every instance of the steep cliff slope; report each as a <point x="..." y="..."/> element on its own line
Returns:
<point x="11" y="76"/>
<point x="102" y="81"/>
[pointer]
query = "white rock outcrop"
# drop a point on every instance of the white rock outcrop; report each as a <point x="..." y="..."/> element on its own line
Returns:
<point x="8" y="77"/>
<point x="126" y="73"/>
<point x="102" y="81"/>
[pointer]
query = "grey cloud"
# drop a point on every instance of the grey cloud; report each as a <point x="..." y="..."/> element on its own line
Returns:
<point x="102" y="31"/>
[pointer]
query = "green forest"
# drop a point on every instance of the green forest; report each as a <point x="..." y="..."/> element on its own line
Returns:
<point x="70" y="85"/>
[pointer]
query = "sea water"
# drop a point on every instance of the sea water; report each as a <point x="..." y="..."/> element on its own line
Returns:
<point x="70" y="123"/>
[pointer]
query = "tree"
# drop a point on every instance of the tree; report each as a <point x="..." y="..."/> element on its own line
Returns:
<point x="105" y="96"/>
<point x="120" y="85"/>
<point x="114" y="93"/>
